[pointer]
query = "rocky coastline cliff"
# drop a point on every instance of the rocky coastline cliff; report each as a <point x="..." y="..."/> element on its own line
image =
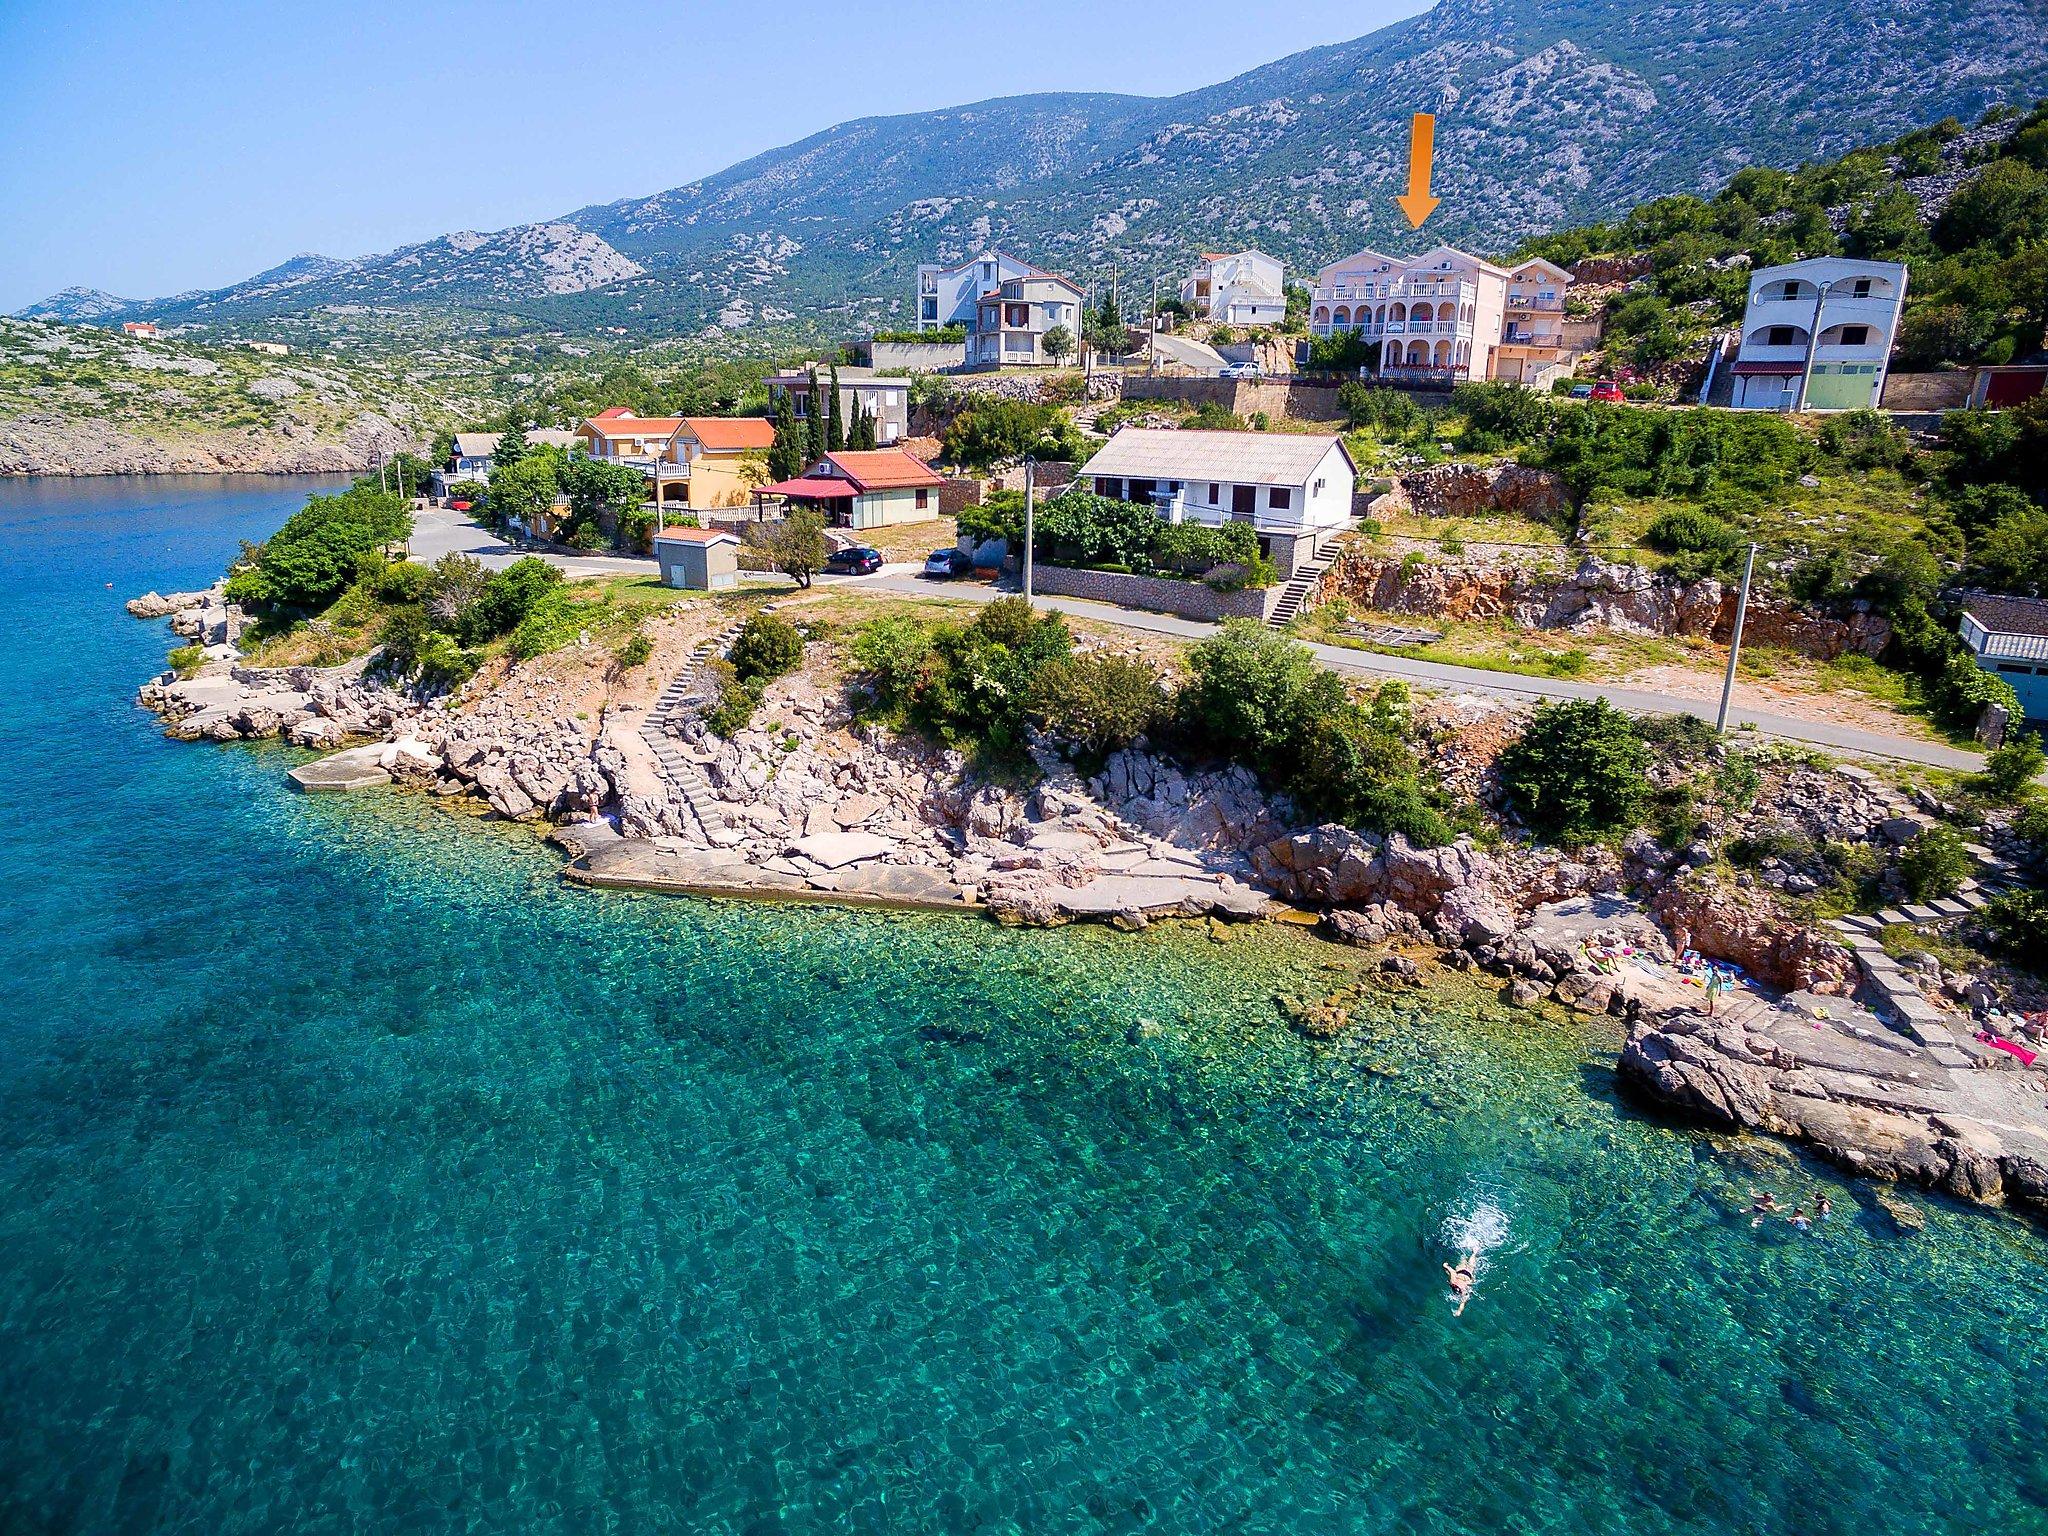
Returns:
<point x="810" y="802"/>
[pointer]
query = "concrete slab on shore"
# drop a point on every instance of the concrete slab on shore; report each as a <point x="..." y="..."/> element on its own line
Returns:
<point x="350" y="768"/>
<point x="639" y="864"/>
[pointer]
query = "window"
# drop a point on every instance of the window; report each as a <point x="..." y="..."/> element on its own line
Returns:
<point x="924" y="498"/>
<point x="1778" y="336"/>
<point x="1215" y="494"/>
<point x="1855" y="335"/>
<point x="1862" y="288"/>
<point x="1279" y="498"/>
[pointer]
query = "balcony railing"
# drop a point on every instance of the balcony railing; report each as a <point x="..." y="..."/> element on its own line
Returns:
<point x="1535" y="301"/>
<point x="1398" y="289"/>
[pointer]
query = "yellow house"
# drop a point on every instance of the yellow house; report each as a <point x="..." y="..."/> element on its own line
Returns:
<point x="706" y="458"/>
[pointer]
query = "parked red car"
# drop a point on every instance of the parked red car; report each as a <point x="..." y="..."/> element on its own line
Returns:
<point x="1609" y="391"/>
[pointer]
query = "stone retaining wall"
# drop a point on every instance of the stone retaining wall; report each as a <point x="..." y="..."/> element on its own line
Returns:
<point x="1276" y="397"/>
<point x="1928" y="391"/>
<point x="1155" y="594"/>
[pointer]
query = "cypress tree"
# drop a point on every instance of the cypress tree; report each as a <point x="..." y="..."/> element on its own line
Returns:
<point x="816" y="449"/>
<point x="835" y="424"/>
<point x="785" y="454"/>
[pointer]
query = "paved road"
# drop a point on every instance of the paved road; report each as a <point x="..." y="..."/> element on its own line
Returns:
<point x="1436" y="675"/>
<point x="438" y="531"/>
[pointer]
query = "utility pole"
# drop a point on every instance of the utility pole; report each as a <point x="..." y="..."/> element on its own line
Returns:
<point x="1735" y="643"/>
<point x="1820" y="297"/>
<point x="1030" y="508"/>
<point x="1152" y="329"/>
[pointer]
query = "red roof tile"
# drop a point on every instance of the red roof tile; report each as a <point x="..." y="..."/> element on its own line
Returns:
<point x="732" y="432"/>
<point x="883" y="469"/>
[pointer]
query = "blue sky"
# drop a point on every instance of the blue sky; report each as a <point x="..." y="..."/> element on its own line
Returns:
<point x="149" y="148"/>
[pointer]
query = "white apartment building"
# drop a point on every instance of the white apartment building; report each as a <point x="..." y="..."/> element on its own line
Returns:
<point x="946" y="295"/>
<point x="1295" y="491"/>
<point x="1440" y="317"/>
<point x="1236" y="288"/>
<point x="1010" y="324"/>
<point x="1817" y="334"/>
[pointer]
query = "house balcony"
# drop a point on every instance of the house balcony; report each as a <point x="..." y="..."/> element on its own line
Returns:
<point x="1403" y="289"/>
<point x="1841" y="309"/>
<point x="1551" y="304"/>
<point x="1424" y="375"/>
<point x="1374" y="331"/>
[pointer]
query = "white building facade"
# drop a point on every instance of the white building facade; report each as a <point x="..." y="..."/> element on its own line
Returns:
<point x="946" y="295"/>
<point x="1817" y="334"/>
<point x="1440" y="318"/>
<point x="1294" y="491"/>
<point x="1236" y="288"/>
<point x="1010" y="325"/>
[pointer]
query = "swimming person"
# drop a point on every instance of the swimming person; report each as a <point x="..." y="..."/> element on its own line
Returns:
<point x="1461" y="1282"/>
<point x="1822" y="1205"/>
<point x="1798" y="1219"/>
<point x="1761" y="1204"/>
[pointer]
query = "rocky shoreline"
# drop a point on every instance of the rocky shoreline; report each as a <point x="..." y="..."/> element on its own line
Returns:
<point x="810" y="803"/>
<point x="40" y="444"/>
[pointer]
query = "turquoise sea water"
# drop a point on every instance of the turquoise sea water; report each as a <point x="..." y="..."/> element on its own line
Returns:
<point x="357" y="1176"/>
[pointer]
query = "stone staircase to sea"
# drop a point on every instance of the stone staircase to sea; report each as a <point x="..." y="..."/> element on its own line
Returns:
<point x="1898" y="996"/>
<point x="1296" y="592"/>
<point x="667" y="732"/>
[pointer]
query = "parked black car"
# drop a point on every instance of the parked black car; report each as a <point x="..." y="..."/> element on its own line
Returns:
<point x="949" y="562"/>
<point x="854" y="560"/>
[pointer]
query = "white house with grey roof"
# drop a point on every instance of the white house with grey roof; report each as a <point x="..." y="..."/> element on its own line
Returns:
<point x="1295" y="491"/>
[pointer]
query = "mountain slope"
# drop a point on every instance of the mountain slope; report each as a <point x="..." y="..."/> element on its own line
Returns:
<point x="1549" y="112"/>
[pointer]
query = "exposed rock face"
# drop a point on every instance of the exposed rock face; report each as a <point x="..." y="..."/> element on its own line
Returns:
<point x="1863" y="1105"/>
<point x="1595" y="594"/>
<point x="49" y="444"/>
<point x="1749" y="928"/>
<point x="1467" y="490"/>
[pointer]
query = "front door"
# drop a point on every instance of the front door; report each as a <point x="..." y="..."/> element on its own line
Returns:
<point x="1243" y="502"/>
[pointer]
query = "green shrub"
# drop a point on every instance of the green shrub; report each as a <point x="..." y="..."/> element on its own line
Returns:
<point x="1961" y="691"/>
<point x="506" y="598"/>
<point x="401" y="582"/>
<point x="1258" y="698"/>
<point x="1388" y="412"/>
<point x="1506" y="413"/>
<point x="766" y="647"/>
<point x="1700" y="543"/>
<point x="1686" y="737"/>
<point x="1096" y="703"/>
<point x="891" y="656"/>
<point x="2017" y="922"/>
<point x="185" y="660"/>
<point x="737" y="701"/>
<point x="634" y="653"/>
<point x="1577" y="773"/>
<point x="1935" y="864"/>
<point x="550" y="623"/>
<point x="2012" y="769"/>
<point x="321" y="548"/>
<point x="2030" y="826"/>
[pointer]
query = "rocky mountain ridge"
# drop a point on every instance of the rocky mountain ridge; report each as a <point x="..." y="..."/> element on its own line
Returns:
<point x="1550" y="111"/>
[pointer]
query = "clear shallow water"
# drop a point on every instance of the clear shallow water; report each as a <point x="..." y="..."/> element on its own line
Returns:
<point x="355" y="1175"/>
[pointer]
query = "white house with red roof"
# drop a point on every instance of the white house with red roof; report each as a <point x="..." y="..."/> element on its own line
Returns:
<point x="874" y="488"/>
<point x="1236" y="288"/>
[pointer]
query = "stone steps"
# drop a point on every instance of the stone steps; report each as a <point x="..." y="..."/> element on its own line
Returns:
<point x="1296" y="592"/>
<point x="664" y="730"/>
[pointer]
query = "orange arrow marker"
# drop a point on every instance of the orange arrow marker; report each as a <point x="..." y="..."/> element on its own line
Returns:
<point x="1416" y="201"/>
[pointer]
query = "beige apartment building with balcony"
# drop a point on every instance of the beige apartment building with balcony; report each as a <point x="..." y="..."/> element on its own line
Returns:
<point x="1446" y="317"/>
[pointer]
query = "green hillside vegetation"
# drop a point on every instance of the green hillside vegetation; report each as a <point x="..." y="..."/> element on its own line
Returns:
<point x="1978" y="272"/>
